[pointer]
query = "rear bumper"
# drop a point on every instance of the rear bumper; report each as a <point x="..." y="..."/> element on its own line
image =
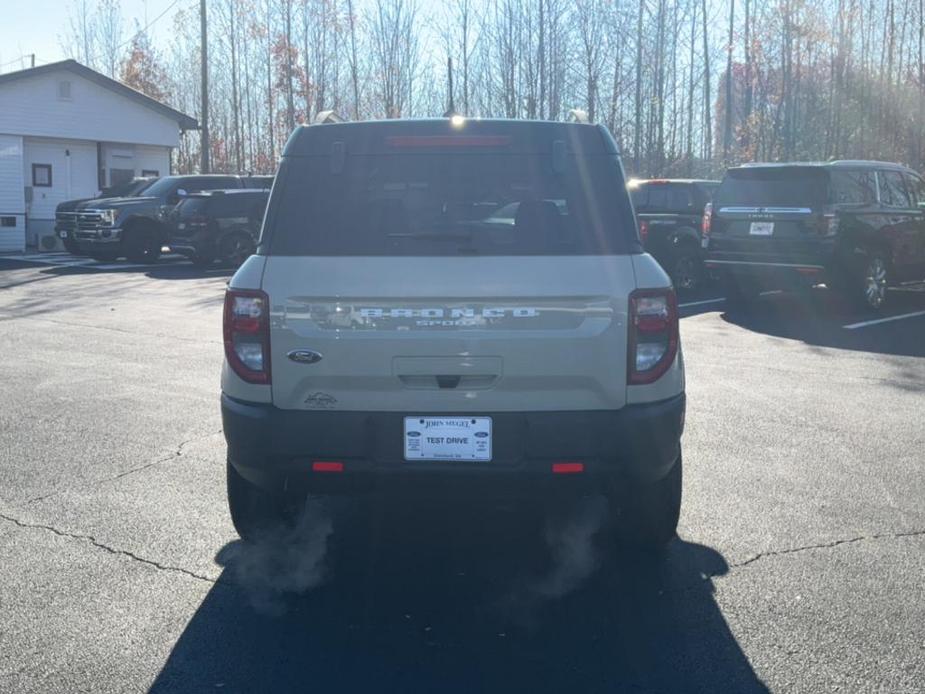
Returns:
<point x="275" y="448"/>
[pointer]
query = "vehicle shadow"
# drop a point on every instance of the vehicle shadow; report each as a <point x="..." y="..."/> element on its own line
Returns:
<point x="460" y="601"/>
<point x="818" y="317"/>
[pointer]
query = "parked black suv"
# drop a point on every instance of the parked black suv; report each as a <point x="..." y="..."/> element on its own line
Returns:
<point x="218" y="225"/>
<point x="137" y="228"/>
<point x="66" y="212"/>
<point x="857" y="226"/>
<point x="669" y="213"/>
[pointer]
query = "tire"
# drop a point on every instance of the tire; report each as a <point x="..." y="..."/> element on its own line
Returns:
<point x="647" y="514"/>
<point x="740" y="292"/>
<point x="142" y="244"/>
<point x="869" y="288"/>
<point x="235" y="248"/>
<point x="686" y="269"/>
<point x="255" y="513"/>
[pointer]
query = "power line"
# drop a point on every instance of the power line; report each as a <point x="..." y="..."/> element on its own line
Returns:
<point x="148" y="25"/>
<point x="22" y="57"/>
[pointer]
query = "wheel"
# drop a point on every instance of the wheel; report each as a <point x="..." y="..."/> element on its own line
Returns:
<point x="234" y="249"/>
<point x="870" y="285"/>
<point x="104" y="256"/>
<point x="142" y="244"/>
<point x="686" y="270"/>
<point x="255" y="513"/>
<point x="740" y="292"/>
<point x="647" y="514"/>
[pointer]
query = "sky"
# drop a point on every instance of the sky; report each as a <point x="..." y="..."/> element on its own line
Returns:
<point x="37" y="26"/>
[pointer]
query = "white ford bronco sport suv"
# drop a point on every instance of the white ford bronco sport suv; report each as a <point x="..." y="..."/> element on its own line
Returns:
<point x="452" y="301"/>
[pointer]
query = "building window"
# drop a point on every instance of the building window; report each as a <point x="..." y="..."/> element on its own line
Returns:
<point x="41" y="175"/>
<point x="120" y="176"/>
<point x="7" y="221"/>
<point x="64" y="90"/>
<point x="145" y="173"/>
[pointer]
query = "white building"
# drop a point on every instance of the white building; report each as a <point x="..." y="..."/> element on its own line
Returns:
<point x="67" y="131"/>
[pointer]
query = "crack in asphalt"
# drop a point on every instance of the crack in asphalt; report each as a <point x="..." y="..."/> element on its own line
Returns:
<point x="825" y="545"/>
<point x="726" y="573"/>
<point x="172" y="456"/>
<point x="111" y="550"/>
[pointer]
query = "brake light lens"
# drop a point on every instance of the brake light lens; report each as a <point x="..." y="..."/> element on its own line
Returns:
<point x="643" y="230"/>
<point x="246" y="328"/>
<point x="653" y="334"/>
<point x="707" y="222"/>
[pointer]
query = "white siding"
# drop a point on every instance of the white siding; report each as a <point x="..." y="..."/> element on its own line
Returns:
<point x="136" y="158"/>
<point x="11" y="194"/>
<point x="73" y="175"/>
<point x="152" y="159"/>
<point x="31" y="106"/>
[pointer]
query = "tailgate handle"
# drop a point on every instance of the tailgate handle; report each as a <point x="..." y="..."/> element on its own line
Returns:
<point x="446" y="382"/>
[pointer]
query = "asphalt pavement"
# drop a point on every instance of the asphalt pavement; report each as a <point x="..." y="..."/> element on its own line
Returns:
<point x="800" y="562"/>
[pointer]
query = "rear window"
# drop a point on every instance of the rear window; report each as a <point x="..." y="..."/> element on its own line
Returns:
<point x="663" y="198"/>
<point x="783" y="186"/>
<point x="450" y="204"/>
<point x="189" y="207"/>
<point x="224" y="205"/>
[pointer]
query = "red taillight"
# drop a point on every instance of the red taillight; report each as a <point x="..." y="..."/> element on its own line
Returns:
<point x="568" y="468"/>
<point x="653" y="334"/>
<point x="707" y="222"/>
<point x="246" y="329"/>
<point x="643" y="230"/>
<point x="327" y="466"/>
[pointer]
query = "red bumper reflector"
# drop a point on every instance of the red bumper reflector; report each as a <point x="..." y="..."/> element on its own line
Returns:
<point x="327" y="466"/>
<point x="568" y="468"/>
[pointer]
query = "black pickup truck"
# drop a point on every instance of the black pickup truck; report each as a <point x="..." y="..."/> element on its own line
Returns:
<point x="66" y="212"/>
<point x="138" y="227"/>
<point x="669" y="213"/>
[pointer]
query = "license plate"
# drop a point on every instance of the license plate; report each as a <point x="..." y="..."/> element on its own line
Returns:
<point x="761" y="228"/>
<point x="448" y="438"/>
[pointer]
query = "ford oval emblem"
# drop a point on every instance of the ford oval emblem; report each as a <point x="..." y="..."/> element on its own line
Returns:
<point x="304" y="356"/>
<point x="414" y="434"/>
<point x="481" y="434"/>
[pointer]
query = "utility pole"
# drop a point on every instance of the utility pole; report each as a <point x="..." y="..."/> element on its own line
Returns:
<point x="204" y="89"/>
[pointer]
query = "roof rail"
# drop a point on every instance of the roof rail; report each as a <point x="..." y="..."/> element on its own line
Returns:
<point x="329" y="116"/>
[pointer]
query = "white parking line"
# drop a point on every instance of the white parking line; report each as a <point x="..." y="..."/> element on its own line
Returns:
<point x="701" y="303"/>
<point x="864" y="324"/>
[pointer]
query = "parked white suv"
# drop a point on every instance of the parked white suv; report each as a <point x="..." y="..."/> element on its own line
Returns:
<point x="393" y="327"/>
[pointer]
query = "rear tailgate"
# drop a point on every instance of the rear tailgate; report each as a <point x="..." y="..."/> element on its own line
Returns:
<point x="770" y="214"/>
<point x="463" y="335"/>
